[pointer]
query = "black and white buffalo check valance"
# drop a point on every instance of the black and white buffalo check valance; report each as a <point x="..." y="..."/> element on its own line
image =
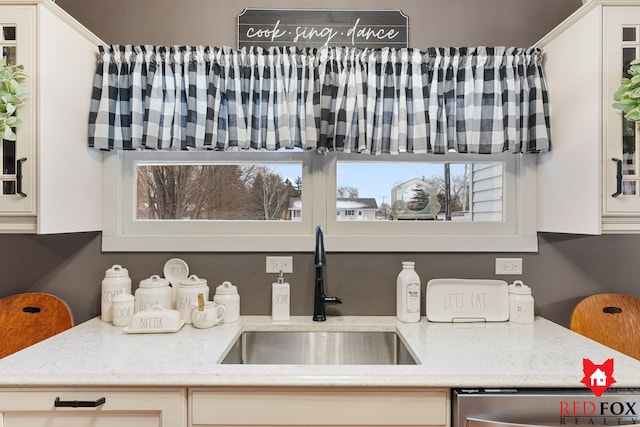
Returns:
<point x="469" y="100"/>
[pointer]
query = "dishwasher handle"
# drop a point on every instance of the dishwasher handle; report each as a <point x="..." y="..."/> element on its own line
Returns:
<point x="479" y="422"/>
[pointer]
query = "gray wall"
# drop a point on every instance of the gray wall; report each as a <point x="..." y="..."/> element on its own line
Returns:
<point x="566" y="268"/>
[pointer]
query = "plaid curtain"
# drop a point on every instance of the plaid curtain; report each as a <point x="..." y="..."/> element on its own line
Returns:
<point x="469" y="100"/>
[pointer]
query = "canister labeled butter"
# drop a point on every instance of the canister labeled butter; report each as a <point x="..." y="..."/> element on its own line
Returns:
<point x="520" y="303"/>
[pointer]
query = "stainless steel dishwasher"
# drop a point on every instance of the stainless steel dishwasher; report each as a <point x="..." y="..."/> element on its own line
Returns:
<point x="544" y="407"/>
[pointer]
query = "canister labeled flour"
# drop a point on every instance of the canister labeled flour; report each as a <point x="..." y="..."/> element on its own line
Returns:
<point x="154" y="291"/>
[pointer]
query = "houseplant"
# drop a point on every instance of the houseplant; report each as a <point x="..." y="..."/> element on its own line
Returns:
<point x="11" y="96"/>
<point x="627" y="96"/>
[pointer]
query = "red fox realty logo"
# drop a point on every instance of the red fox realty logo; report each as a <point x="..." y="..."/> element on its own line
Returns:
<point x="597" y="377"/>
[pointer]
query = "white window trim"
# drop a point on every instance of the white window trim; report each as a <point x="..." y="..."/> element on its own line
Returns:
<point x="515" y="234"/>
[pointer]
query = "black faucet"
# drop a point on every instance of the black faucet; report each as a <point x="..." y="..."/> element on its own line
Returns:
<point x="320" y="299"/>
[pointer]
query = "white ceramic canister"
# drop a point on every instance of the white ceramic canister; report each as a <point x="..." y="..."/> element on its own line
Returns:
<point x="154" y="291"/>
<point x="123" y="307"/>
<point x="188" y="295"/>
<point x="116" y="280"/>
<point x="520" y="303"/>
<point x="227" y="295"/>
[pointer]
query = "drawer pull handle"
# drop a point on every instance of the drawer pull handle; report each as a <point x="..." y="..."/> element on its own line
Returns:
<point x="79" y="403"/>
<point x="618" y="177"/>
<point x="19" y="176"/>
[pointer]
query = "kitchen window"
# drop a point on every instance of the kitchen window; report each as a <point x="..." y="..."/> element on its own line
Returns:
<point x="465" y="123"/>
<point x="265" y="201"/>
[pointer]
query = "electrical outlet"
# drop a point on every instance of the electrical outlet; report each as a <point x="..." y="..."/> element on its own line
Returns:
<point x="511" y="266"/>
<point x="276" y="264"/>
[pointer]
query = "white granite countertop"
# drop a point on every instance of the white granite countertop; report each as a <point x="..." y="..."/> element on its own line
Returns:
<point x="500" y="354"/>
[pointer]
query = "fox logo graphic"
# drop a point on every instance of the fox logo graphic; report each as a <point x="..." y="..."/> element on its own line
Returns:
<point x="597" y="377"/>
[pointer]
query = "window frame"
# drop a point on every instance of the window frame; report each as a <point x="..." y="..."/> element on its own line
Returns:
<point x="516" y="234"/>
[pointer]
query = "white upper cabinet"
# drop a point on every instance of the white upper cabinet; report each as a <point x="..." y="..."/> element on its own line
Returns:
<point x="578" y="181"/>
<point x="50" y="182"/>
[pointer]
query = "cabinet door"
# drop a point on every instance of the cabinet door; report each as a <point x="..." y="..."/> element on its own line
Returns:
<point x="140" y="408"/>
<point x="569" y="181"/>
<point x="17" y="178"/>
<point x="621" y="137"/>
<point x="319" y="407"/>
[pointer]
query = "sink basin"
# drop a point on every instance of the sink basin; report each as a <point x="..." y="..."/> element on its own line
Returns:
<point x="319" y="348"/>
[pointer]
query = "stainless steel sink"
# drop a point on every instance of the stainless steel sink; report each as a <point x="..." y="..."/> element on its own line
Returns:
<point x="319" y="348"/>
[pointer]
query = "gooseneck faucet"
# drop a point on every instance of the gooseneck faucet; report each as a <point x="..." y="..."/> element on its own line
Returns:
<point x="320" y="299"/>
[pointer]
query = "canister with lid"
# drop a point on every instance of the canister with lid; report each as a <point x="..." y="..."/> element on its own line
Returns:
<point x="188" y="295"/>
<point x="227" y="295"/>
<point x="116" y="280"/>
<point x="154" y="291"/>
<point x="520" y="303"/>
<point x="123" y="308"/>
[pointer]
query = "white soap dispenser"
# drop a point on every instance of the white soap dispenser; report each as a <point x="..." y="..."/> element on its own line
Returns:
<point x="280" y="299"/>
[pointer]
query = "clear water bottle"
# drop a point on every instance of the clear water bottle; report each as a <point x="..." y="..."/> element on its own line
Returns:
<point x="408" y="294"/>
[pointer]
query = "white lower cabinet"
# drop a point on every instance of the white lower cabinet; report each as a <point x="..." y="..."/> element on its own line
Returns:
<point x="224" y="406"/>
<point x="277" y="406"/>
<point x="106" y="407"/>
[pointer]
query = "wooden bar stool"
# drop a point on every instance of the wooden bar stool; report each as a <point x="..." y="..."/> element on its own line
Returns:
<point x="610" y="319"/>
<point x="28" y="318"/>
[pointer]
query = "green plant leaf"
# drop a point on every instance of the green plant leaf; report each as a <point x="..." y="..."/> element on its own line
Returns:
<point x="12" y="121"/>
<point x="625" y="106"/>
<point x="11" y="92"/>
<point x="8" y="134"/>
<point x="633" y="116"/>
<point x="635" y="93"/>
<point x="620" y="94"/>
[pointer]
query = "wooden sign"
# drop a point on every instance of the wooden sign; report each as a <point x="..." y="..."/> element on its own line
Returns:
<point x="318" y="28"/>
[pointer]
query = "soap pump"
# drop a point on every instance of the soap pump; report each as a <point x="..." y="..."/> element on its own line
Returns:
<point x="280" y="299"/>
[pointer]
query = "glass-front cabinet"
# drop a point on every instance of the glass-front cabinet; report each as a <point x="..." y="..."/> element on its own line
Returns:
<point x="621" y="136"/>
<point x="50" y="181"/>
<point x="17" y="192"/>
<point x="590" y="182"/>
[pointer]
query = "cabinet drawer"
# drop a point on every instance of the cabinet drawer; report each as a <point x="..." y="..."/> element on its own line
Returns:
<point x="279" y="406"/>
<point x="136" y="407"/>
